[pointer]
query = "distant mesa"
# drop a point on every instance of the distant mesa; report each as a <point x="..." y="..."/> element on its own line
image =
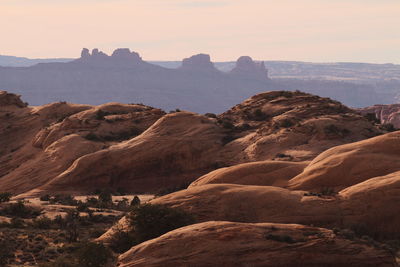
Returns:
<point x="247" y="67"/>
<point x="122" y="55"/>
<point x="198" y="62"/>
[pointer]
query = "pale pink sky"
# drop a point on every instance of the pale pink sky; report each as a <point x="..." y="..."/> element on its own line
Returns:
<point x="309" y="30"/>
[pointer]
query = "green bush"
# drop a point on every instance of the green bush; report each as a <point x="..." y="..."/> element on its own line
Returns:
<point x="93" y="255"/>
<point x="6" y="252"/>
<point x="5" y="197"/>
<point x="105" y="196"/>
<point x="388" y="127"/>
<point x="122" y="241"/>
<point x="84" y="255"/>
<point x="20" y="210"/>
<point x="210" y="115"/>
<point x="92" y="137"/>
<point x="82" y="206"/>
<point x="101" y="114"/>
<point x="258" y="115"/>
<point x="150" y="221"/>
<point x="135" y="201"/>
<point x="286" y="123"/>
<point x="372" y="117"/>
<point x="45" y="197"/>
<point x="42" y="222"/>
<point x="64" y="200"/>
<point x="281" y="238"/>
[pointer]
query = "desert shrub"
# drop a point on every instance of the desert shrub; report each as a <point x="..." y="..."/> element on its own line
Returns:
<point x="372" y="117"/>
<point x="121" y="241"/>
<point x="42" y="222"/>
<point x="101" y="114"/>
<point x="282" y="155"/>
<point x="135" y="201"/>
<point x="333" y="129"/>
<point x="328" y="191"/>
<point x="92" y="201"/>
<point x="172" y="189"/>
<point x="286" y="123"/>
<point x="92" y="137"/>
<point x="93" y="255"/>
<point x="5" y="197"/>
<point x="6" y="252"/>
<point x="150" y="221"/>
<point x="105" y="196"/>
<point x="45" y="197"/>
<point x="16" y="223"/>
<point x="71" y="225"/>
<point x="228" y="125"/>
<point x="286" y="94"/>
<point x="122" y="204"/>
<point x="210" y="115"/>
<point x="64" y="200"/>
<point x="96" y="232"/>
<point x="258" y="115"/>
<point x="82" y="206"/>
<point x="347" y="233"/>
<point x="281" y="238"/>
<point x="388" y="127"/>
<point x="20" y="210"/>
<point x="227" y="139"/>
<point x="244" y="127"/>
<point x="86" y="254"/>
<point x="122" y="135"/>
<point x="121" y="191"/>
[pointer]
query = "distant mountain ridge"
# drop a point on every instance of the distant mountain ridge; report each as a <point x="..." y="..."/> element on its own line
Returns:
<point x="196" y="84"/>
<point x="345" y="71"/>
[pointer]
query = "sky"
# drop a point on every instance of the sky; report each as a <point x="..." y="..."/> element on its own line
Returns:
<point x="304" y="30"/>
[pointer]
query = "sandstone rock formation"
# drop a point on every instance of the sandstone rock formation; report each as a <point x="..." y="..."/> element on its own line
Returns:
<point x="349" y="164"/>
<point x="290" y="126"/>
<point x="114" y="149"/>
<point x="372" y="206"/>
<point x="263" y="244"/>
<point x="269" y="173"/>
<point x="385" y="113"/>
<point x="172" y="151"/>
<point x="39" y="143"/>
<point x="245" y="203"/>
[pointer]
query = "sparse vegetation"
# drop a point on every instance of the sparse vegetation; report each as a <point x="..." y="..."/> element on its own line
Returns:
<point x="258" y="115"/>
<point x="210" y="115"/>
<point x="388" y="127"/>
<point x="100" y="114"/>
<point x="372" y="118"/>
<point x="92" y="137"/>
<point x="281" y="238"/>
<point x="227" y="139"/>
<point x="85" y="254"/>
<point x="149" y="221"/>
<point x="334" y="130"/>
<point x="6" y="252"/>
<point x="286" y="123"/>
<point x="169" y="190"/>
<point x="19" y="209"/>
<point x="5" y="197"/>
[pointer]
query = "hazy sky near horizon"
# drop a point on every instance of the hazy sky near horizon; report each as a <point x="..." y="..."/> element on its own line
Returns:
<point x="307" y="30"/>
